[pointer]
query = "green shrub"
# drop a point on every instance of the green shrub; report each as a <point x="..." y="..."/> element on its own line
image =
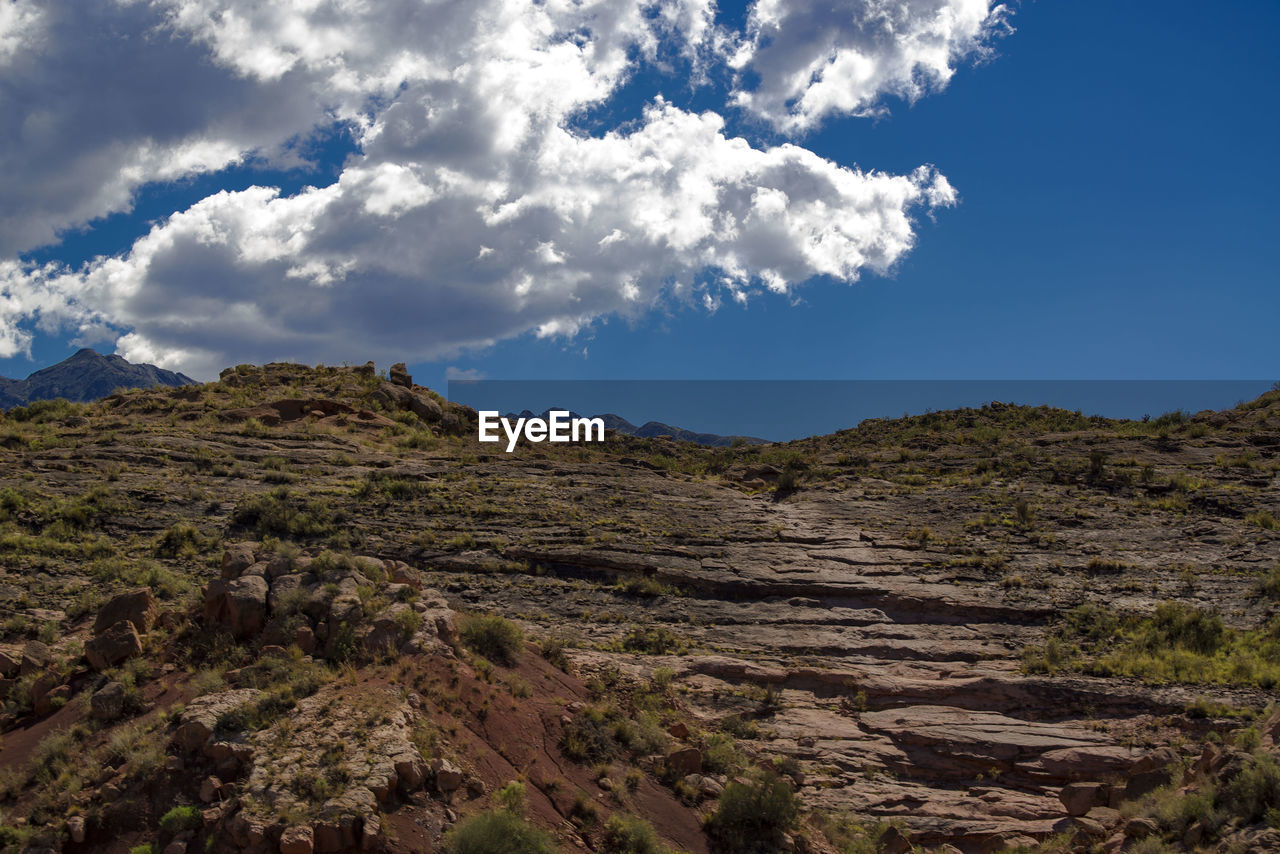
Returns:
<point x="1180" y="626"/>
<point x="1254" y="791"/>
<point x="1269" y="584"/>
<point x="652" y="640"/>
<point x="1178" y="643"/>
<point x="497" y="832"/>
<point x="180" y="540"/>
<point x="511" y="797"/>
<point x="279" y="513"/>
<point x="753" y="817"/>
<point x="642" y="587"/>
<point x="552" y="649"/>
<point x="629" y="834"/>
<point x="179" y="819"/>
<point x="589" y="736"/>
<point x="496" y="638"/>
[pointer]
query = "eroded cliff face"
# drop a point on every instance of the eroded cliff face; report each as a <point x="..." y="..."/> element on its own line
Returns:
<point x="261" y="601"/>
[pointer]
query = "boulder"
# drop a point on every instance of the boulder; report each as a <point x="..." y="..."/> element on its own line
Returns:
<point x="75" y="828"/>
<point x="893" y="841"/>
<point x="328" y="837"/>
<point x="247" y="605"/>
<point x="199" y="719"/>
<point x="236" y="559"/>
<point x="370" y="839"/>
<point x="305" y="638"/>
<point x="1079" y="798"/>
<point x="38" y="693"/>
<point x="1081" y="826"/>
<point x="399" y="397"/>
<point x="399" y="375"/>
<point x="684" y="761"/>
<point x="107" y="703"/>
<point x="35" y="656"/>
<point x="116" y="644"/>
<point x="297" y="839"/>
<point x="137" y="606"/>
<point x="1150" y="772"/>
<point x="402" y="573"/>
<point x="447" y="776"/>
<point x="278" y="566"/>
<point x="210" y="789"/>
<point x="9" y="664"/>
<point x="410" y="771"/>
<point x="215" y="601"/>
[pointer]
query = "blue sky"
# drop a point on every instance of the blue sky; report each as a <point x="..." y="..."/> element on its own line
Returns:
<point x="1116" y="179"/>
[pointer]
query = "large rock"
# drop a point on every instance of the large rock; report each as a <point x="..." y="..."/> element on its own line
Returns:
<point x="684" y="761"/>
<point x="411" y="771"/>
<point x="297" y="839"/>
<point x="398" y="397"/>
<point x="137" y="606"/>
<point x="448" y="777"/>
<point x="113" y="646"/>
<point x="40" y="690"/>
<point x="107" y="703"/>
<point x="9" y="663"/>
<point x="402" y="573"/>
<point x="236" y="559"/>
<point x="247" y="605"/>
<point x="200" y="718"/>
<point x="399" y="375"/>
<point x="1150" y="772"/>
<point x="36" y="656"/>
<point x="1079" y="798"/>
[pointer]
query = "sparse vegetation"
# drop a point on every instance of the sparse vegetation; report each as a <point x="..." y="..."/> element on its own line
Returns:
<point x="1178" y="643"/>
<point x="498" y="832"/>
<point x="753" y="816"/>
<point x="496" y="638"/>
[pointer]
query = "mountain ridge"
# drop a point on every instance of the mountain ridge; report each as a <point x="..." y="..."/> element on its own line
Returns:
<point x="85" y="376"/>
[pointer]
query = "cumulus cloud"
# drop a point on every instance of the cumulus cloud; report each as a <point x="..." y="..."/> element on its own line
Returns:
<point x="814" y="59"/>
<point x="473" y="210"/>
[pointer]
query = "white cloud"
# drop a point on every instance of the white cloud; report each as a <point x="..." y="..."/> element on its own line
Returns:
<point x="453" y="372"/>
<point x="815" y="58"/>
<point x="473" y="212"/>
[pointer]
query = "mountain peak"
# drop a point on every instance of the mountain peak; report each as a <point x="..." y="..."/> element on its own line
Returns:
<point x="84" y="376"/>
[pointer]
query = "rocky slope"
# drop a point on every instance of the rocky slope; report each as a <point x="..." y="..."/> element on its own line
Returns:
<point x="989" y="629"/>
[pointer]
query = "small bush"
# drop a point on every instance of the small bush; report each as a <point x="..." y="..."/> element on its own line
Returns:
<point x="552" y="649"/>
<point x="1254" y="791"/>
<point x="494" y="637"/>
<point x="180" y="540"/>
<point x="1269" y="584"/>
<point x="753" y="817"/>
<point x="179" y="819"/>
<point x="279" y="513"/>
<point x="497" y="832"/>
<point x="589" y="736"/>
<point x="652" y="640"/>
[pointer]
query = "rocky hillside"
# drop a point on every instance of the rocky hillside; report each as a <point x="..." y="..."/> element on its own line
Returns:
<point x="304" y="610"/>
<point x="84" y="377"/>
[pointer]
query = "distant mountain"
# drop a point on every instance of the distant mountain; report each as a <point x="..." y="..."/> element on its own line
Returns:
<point x="86" y="376"/>
<point x="657" y="430"/>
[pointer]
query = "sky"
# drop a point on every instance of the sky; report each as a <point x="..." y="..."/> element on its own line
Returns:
<point x="867" y="189"/>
